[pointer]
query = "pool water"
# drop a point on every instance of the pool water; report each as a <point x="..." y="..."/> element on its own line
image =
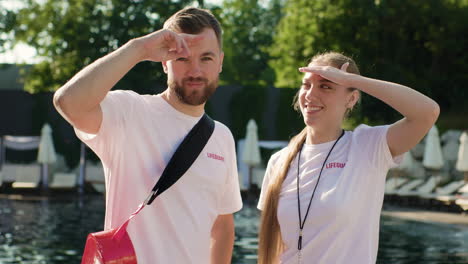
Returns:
<point x="54" y="231"/>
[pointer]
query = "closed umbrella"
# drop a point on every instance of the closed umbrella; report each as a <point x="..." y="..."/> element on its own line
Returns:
<point x="46" y="153"/>
<point x="408" y="163"/>
<point x="450" y="142"/>
<point x="251" y="154"/>
<point x="462" y="161"/>
<point x="411" y="166"/>
<point x="433" y="152"/>
<point x="406" y="166"/>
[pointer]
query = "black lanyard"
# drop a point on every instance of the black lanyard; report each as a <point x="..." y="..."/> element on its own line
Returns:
<point x="302" y="222"/>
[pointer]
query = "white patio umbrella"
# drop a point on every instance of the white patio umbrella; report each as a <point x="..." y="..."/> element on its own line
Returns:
<point x="411" y="166"/>
<point x="462" y="161"/>
<point x="450" y="142"/>
<point x="46" y="154"/>
<point x="406" y="166"/>
<point x="433" y="152"/>
<point x="251" y="154"/>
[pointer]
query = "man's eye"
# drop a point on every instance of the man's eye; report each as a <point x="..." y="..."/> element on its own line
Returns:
<point x="323" y="86"/>
<point x="305" y="85"/>
<point x="181" y="59"/>
<point x="207" y="59"/>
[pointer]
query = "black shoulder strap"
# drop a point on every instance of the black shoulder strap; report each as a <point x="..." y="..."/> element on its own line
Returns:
<point x="184" y="156"/>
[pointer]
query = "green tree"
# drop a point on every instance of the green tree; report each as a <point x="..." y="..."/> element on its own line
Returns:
<point x="72" y="34"/>
<point x="7" y="22"/>
<point x="416" y="43"/>
<point x="248" y="27"/>
<point x="248" y="30"/>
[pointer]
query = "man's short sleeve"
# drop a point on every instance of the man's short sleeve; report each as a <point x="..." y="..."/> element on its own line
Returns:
<point x="231" y="200"/>
<point x="116" y="107"/>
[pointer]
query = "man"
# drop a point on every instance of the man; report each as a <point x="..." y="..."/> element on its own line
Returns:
<point x="136" y="135"/>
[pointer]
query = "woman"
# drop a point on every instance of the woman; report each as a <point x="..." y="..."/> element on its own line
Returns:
<point x="322" y="195"/>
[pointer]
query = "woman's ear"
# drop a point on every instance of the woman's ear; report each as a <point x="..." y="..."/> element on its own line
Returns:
<point x="353" y="99"/>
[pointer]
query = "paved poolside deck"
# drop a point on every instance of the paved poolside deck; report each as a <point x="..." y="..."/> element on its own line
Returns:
<point x="426" y="216"/>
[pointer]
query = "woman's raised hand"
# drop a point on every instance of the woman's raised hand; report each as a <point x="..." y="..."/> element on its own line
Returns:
<point x="338" y="76"/>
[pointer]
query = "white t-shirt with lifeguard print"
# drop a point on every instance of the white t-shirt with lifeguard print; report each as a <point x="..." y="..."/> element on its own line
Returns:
<point x="137" y="137"/>
<point x="343" y="221"/>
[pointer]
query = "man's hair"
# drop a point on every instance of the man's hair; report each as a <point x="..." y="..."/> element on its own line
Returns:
<point x="192" y="20"/>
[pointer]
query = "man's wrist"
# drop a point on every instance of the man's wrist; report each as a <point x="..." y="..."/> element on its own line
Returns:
<point x="135" y="48"/>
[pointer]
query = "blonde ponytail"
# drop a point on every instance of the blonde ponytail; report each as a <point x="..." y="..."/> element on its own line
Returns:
<point x="270" y="242"/>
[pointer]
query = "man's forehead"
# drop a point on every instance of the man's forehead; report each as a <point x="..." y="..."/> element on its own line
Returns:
<point x="209" y="38"/>
<point x="209" y="42"/>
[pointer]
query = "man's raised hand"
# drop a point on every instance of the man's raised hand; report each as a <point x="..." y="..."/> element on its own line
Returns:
<point x="164" y="45"/>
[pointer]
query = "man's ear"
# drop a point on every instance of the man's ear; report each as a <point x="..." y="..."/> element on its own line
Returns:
<point x="221" y="59"/>
<point x="164" y="64"/>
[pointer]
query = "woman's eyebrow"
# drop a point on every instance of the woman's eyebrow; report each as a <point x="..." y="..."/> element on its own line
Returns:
<point x="327" y="81"/>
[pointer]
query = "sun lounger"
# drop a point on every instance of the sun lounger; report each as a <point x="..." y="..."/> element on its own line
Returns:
<point x="462" y="199"/>
<point x="25" y="175"/>
<point x="446" y="190"/>
<point x="462" y="202"/>
<point x="9" y="172"/>
<point x="425" y="188"/>
<point x="392" y="184"/>
<point x="463" y="189"/>
<point x="408" y="186"/>
<point x="63" y="180"/>
<point x="448" y="199"/>
<point x="95" y="176"/>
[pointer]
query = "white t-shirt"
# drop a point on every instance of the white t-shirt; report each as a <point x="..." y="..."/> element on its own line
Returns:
<point x="343" y="221"/>
<point x="137" y="137"/>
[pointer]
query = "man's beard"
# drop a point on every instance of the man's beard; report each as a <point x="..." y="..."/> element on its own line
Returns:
<point x="197" y="96"/>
